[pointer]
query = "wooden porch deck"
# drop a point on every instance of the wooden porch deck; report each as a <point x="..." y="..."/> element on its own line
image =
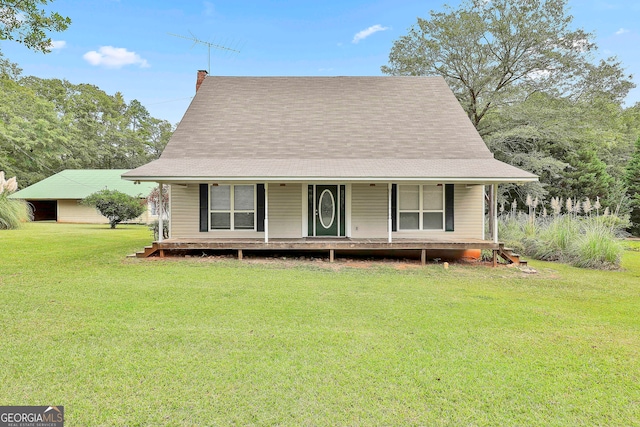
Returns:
<point x="321" y="244"/>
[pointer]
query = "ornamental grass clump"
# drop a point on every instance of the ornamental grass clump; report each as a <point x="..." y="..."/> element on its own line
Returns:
<point x="512" y="229"/>
<point x="596" y="247"/>
<point x="12" y="212"/>
<point x="554" y="237"/>
<point x="580" y="236"/>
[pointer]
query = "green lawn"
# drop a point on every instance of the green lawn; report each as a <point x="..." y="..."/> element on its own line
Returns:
<point x="193" y="342"/>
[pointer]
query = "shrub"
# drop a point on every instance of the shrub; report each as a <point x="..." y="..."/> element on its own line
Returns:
<point x="512" y="230"/>
<point x="155" y="225"/>
<point x="596" y="247"/>
<point x="115" y="205"/>
<point x="12" y="212"/>
<point x="554" y="237"/>
<point x="587" y="241"/>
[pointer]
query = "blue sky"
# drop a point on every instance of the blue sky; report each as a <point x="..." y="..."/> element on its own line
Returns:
<point x="125" y="46"/>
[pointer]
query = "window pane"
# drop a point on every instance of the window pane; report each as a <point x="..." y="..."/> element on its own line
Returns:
<point x="432" y="221"/>
<point x="243" y="198"/>
<point x="220" y="220"/>
<point x="243" y="221"/>
<point x="409" y="197"/>
<point x="409" y="221"/>
<point x="220" y="197"/>
<point x="432" y="197"/>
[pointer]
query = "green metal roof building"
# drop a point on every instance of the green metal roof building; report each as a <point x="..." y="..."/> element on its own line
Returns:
<point x="58" y="197"/>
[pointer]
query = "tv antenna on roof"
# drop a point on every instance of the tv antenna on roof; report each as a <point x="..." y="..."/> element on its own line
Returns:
<point x="208" y="44"/>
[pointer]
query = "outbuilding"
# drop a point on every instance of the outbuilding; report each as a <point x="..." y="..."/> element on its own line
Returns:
<point x="58" y="197"/>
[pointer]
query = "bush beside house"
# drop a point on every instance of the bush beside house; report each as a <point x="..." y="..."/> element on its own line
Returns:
<point x="115" y="205"/>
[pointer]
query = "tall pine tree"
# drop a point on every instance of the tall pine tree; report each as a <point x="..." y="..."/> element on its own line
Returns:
<point x="633" y="188"/>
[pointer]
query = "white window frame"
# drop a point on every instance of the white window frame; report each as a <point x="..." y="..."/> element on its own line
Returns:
<point x="420" y="211"/>
<point x="231" y="211"/>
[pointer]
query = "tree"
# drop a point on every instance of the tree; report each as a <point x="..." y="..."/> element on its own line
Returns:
<point x="25" y="22"/>
<point x="561" y="140"/>
<point x="633" y="188"/>
<point x="104" y="131"/>
<point x="48" y="125"/>
<point x="33" y="140"/>
<point x="495" y="53"/>
<point x="9" y="70"/>
<point x="588" y="177"/>
<point x="160" y="132"/>
<point x="115" y="205"/>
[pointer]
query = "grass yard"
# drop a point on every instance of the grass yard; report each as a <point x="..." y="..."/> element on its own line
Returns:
<point x="192" y="342"/>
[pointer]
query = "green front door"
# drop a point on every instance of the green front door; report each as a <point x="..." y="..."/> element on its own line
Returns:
<point x="327" y="213"/>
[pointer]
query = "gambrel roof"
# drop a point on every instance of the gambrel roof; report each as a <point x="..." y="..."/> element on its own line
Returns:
<point x="326" y="128"/>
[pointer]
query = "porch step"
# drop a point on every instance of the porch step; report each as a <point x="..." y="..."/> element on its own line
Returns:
<point x="511" y="257"/>
<point x="148" y="251"/>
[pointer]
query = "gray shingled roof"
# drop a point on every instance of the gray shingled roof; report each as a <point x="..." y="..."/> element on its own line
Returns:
<point x="326" y="128"/>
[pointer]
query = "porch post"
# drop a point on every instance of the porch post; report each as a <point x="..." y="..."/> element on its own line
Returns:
<point x="160" y="214"/>
<point x="494" y="203"/>
<point x="389" y="212"/>
<point x="266" y="212"/>
<point x="484" y="206"/>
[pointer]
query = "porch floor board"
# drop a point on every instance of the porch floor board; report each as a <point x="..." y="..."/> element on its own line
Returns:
<point x="320" y="243"/>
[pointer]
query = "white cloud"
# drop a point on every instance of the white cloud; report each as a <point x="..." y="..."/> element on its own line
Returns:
<point x="209" y="8"/>
<point x="114" y="57"/>
<point x="581" y="45"/>
<point x="369" y="31"/>
<point x="57" y="44"/>
<point x="621" y="31"/>
<point x="539" y="74"/>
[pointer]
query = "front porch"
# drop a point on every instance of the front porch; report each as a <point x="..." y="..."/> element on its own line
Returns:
<point x="330" y="246"/>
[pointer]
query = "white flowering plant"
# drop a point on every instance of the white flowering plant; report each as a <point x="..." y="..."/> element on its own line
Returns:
<point x="12" y="212"/>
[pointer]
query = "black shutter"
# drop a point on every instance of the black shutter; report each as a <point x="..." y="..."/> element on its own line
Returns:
<point x="394" y="207"/>
<point x="204" y="207"/>
<point x="260" y="208"/>
<point x="448" y="207"/>
<point x="343" y="211"/>
<point x="311" y="215"/>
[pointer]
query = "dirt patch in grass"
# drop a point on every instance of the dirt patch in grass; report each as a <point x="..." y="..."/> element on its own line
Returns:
<point x="338" y="264"/>
<point x="322" y="261"/>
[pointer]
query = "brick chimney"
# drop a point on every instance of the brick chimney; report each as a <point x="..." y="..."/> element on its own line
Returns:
<point x="201" y="75"/>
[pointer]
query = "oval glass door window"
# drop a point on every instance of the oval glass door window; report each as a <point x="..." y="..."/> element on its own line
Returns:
<point x="327" y="209"/>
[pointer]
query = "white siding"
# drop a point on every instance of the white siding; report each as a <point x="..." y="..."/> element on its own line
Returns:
<point x="70" y="210"/>
<point x="73" y="211"/>
<point x="467" y="218"/>
<point x="185" y="216"/>
<point x="285" y="211"/>
<point x="184" y="211"/>
<point x="369" y="211"/>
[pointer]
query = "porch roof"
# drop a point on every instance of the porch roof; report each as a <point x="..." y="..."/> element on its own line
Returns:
<point x="344" y="170"/>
